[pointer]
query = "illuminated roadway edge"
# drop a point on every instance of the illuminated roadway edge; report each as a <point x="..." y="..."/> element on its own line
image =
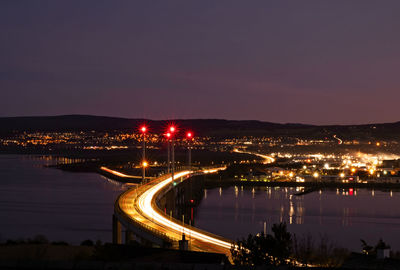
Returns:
<point x="139" y="206"/>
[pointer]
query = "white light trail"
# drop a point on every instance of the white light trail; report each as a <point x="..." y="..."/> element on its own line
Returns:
<point x="145" y="205"/>
<point x="116" y="173"/>
<point x="268" y="159"/>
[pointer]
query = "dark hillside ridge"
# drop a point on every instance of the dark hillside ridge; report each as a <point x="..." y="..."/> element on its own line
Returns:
<point x="205" y="127"/>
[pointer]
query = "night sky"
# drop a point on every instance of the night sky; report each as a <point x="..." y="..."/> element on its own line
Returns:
<point x="318" y="62"/>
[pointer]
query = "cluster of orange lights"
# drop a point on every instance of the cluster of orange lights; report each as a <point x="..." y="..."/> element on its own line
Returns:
<point x="170" y="131"/>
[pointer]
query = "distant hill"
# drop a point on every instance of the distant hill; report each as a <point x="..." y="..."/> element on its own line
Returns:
<point x="104" y="123"/>
<point x="210" y="127"/>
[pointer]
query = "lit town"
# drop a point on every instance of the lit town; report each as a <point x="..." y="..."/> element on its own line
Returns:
<point x="199" y="135"/>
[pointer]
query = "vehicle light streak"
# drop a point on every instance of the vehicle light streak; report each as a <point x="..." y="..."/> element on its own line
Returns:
<point x="145" y="205"/>
<point x="141" y="206"/>
<point x="340" y="141"/>
<point x="116" y="173"/>
<point x="268" y="159"/>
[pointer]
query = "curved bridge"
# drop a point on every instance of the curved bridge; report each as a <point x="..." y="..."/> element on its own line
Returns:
<point x="136" y="209"/>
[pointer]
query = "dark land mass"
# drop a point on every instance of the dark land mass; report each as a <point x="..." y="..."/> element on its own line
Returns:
<point x="204" y="127"/>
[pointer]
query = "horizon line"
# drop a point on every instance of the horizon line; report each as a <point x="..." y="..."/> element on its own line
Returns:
<point x="194" y="119"/>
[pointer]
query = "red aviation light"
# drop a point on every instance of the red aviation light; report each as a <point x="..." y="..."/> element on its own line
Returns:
<point x="143" y="129"/>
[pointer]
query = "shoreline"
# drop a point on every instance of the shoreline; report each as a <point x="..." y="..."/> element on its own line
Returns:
<point x="316" y="185"/>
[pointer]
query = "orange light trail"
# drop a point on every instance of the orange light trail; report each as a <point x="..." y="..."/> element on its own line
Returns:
<point x="118" y="173"/>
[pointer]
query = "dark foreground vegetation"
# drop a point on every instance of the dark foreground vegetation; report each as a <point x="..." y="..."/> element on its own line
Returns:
<point x="282" y="249"/>
<point x="279" y="250"/>
<point x="39" y="253"/>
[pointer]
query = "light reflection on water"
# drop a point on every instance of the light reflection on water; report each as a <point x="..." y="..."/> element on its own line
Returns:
<point x="63" y="206"/>
<point x="344" y="215"/>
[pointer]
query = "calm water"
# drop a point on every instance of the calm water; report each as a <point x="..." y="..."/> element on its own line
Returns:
<point x="60" y="205"/>
<point x="345" y="215"/>
<point x="76" y="206"/>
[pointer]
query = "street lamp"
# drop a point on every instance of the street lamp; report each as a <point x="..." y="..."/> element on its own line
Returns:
<point x="143" y="129"/>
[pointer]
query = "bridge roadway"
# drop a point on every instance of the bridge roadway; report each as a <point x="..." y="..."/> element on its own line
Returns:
<point x="136" y="209"/>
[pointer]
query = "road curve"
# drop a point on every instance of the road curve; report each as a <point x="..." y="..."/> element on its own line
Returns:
<point x="139" y="204"/>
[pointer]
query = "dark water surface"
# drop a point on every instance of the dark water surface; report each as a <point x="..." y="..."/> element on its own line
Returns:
<point x="343" y="215"/>
<point x="63" y="206"/>
<point x="73" y="207"/>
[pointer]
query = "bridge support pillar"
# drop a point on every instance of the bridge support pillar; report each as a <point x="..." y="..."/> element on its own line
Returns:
<point x="129" y="236"/>
<point x="116" y="230"/>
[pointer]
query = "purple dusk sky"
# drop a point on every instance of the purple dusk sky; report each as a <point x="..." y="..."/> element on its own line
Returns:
<point x="318" y="62"/>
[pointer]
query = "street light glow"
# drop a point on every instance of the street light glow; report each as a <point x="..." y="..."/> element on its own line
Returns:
<point x="144" y="164"/>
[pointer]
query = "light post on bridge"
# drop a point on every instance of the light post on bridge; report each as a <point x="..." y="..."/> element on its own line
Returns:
<point x="144" y="164"/>
<point x="168" y="135"/>
<point x="172" y="130"/>
<point x="189" y="138"/>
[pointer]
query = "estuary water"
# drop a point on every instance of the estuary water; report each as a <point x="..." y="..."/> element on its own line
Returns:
<point x="344" y="216"/>
<point x="63" y="206"/>
<point x="72" y="207"/>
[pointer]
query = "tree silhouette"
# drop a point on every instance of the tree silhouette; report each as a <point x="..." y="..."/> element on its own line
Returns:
<point x="264" y="249"/>
<point x="282" y="244"/>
